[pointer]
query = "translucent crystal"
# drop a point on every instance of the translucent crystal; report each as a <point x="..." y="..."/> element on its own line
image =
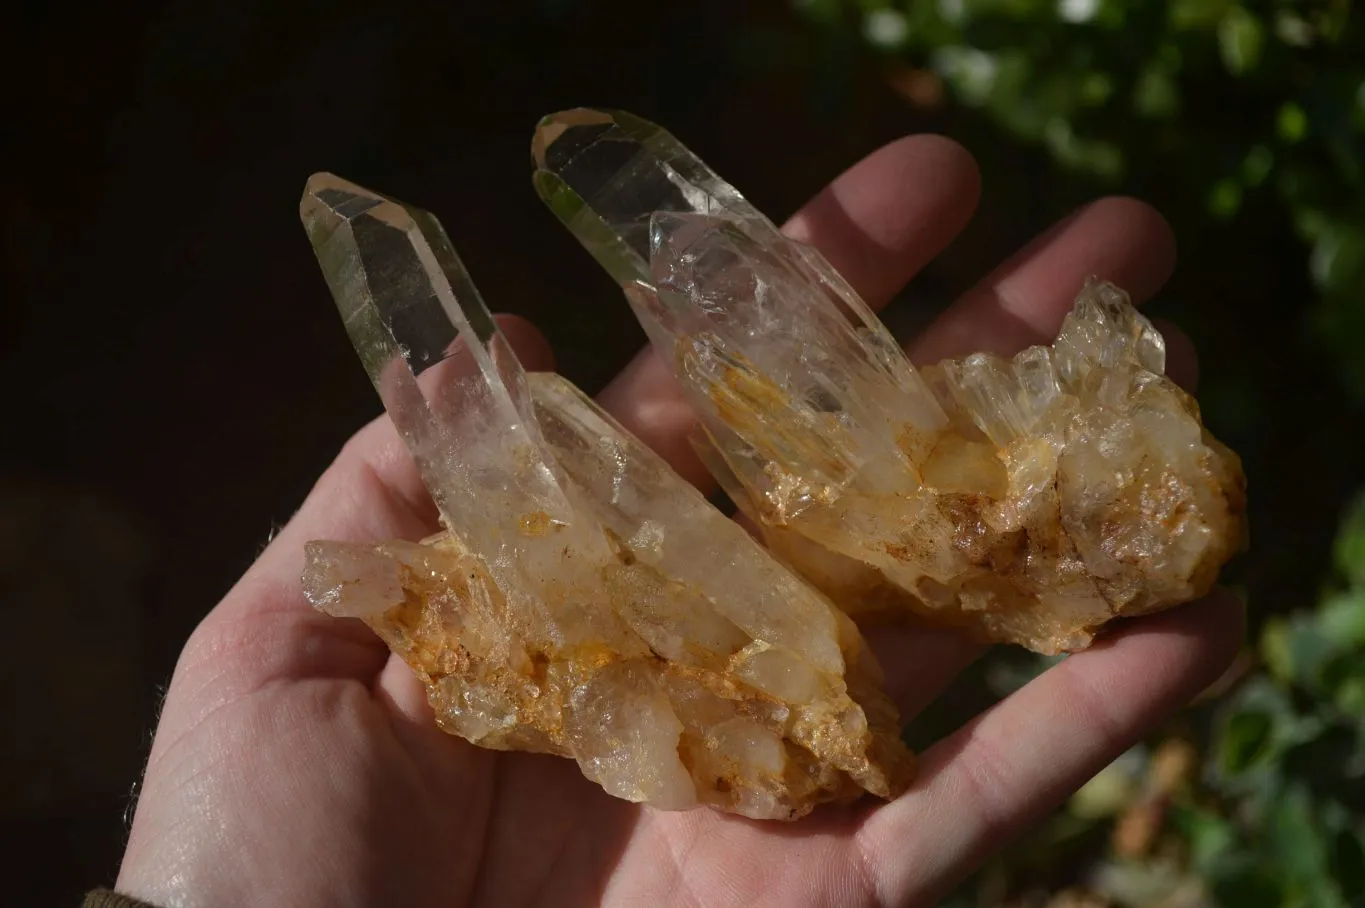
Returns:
<point x="583" y="600"/>
<point x="1028" y="500"/>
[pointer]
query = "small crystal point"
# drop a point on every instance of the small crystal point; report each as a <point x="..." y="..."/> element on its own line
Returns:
<point x="584" y="600"/>
<point x="1028" y="500"/>
<point x="604" y="173"/>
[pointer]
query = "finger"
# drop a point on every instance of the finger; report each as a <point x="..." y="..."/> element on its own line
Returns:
<point x="1024" y="301"/>
<point x="919" y="662"/>
<point x="1182" y="363"/>
<point x="878" y="223"/>
<point x="1012" y="764"/>
<point x="371" y="492"/>
<point x="890" y="214"/>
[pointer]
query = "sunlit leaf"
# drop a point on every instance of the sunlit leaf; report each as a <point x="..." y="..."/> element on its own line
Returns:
<point x="1276" y="650"/>
<point x="1337" y="261"/>
<point x="886" y="28"/>
<point x="1341" y="618"/>
<point x="1293" y="29"/>
<point x="1241" y="36"/>
<point x="1247" y="741"/>
<point x="1208" y="835"/>
<point x="971" y="72"/>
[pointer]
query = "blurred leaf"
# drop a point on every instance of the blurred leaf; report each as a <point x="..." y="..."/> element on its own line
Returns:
<point x="1208" y="835"/>
<point x="886" y="28"/>
<point x="1341" y="618"/>
<point x="1338" y="258"/>
<point x="1296" y="839"/>
<point x="1245" y="882"/>
<point x="1291" y="123"/>
<point x="1108" y="792"/>
<point x="1095" y="88"/>
<point x="1255" y="730"/>
<point x="1256" y="165"/>
<point x="1155" y="94"/>
<point x="1188" y="15"/>
<point x="1276" y="650"/>
<point x="1309" y="222"/>
<point x="1136" y="883"/>
<point x="1247" y="740"/>
<point x="1331" y="22"/>
<point x="1347" y="684"/>
<point x="1077" y="11"/>
<point x="971" y="72"/>
<point x="824" y="12"/>
<point x="1225" y="198"/>
<point x="1293" y="29"/>
<point x="1349" y="554"/>
<point x="1295" y="649"/>
<point x="1241" y="36"/>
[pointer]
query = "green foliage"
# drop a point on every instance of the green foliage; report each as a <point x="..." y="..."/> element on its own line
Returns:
<point x="1272" y="817"/>
<point x="1228" y="104"/>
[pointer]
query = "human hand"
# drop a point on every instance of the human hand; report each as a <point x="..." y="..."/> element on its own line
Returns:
<point x="297" y="763"/>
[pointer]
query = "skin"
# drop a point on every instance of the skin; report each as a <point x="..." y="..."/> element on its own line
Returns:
<point x="295" y="762"/>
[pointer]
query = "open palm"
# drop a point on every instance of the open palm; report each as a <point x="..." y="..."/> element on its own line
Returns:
<point x="296" y="762"/>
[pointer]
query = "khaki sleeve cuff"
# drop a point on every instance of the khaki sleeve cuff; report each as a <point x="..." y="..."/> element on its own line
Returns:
<point x="107" y="898"/>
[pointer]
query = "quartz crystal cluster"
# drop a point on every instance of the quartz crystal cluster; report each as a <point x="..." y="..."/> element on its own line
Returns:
<point x="583" y="600"/>
<point x="1028" y="500"/>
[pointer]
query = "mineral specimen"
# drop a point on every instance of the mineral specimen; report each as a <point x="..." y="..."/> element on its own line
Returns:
<point x="1027" y="501"/>
<point x="583" y="600"/>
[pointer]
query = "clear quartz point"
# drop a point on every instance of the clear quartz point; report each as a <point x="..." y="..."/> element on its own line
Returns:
<point x="584" y="600"/>
<point x="1026" y="500"/>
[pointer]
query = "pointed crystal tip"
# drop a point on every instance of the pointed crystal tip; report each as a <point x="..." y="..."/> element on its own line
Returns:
<point x="329" y="201"/>
<point x="555" y="126"/>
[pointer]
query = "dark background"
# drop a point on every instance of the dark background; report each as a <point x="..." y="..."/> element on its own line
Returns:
<point x="176" y="376"/>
